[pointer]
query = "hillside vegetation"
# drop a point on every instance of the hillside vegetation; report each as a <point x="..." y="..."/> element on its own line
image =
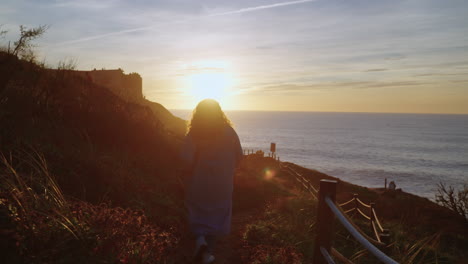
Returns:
<point x="87" y="177"/>
<point x="96" y="148"/>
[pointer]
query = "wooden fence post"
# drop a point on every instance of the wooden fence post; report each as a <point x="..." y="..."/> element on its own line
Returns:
<point x="325" y="221"/>
<point x="356" y="203"/>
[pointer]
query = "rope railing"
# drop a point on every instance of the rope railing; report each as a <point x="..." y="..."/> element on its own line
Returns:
<point x="362" y="203"/>
<point x="363" y="241"/>
<point x="376" y="233"/>
<point x="372" y="240"/>
<point x="303" y="181"/>
<point x="295" y="173"/>
<point x="377" y="220"/>
<point x="363" y="214"/>
<point x="327" y="210"/>
<point x="346" y="203"/>
<point x="377" y="230"/>
<point x="376" y="227"/>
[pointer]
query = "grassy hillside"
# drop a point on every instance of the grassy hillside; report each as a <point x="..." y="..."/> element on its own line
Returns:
<point x="94" y="145"/>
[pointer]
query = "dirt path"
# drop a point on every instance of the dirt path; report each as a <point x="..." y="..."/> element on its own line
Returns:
<point x="226" y="249"/>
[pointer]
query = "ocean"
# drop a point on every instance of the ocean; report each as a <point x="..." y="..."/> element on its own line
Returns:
<point x="417" y="151"/>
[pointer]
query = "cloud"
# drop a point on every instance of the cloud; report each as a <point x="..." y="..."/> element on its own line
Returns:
<point x="84" y="4"/>
<point x="149" y="27"/>
<point x="395" y="57"/>
<point x="103" y="35"/>
<point x="459" y="81"/>
<point x="441" y="74"/>
<point x="376" y="70"/>
<point x="287" y="88"/>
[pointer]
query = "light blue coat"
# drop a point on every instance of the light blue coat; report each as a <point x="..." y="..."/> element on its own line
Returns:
<point x="209" y="189"/>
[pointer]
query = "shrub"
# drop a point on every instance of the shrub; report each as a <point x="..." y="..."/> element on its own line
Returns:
<point x="454" y="200"/>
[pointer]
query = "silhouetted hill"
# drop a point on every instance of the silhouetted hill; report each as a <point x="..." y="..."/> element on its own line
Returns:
<point x="99" y="147"/>
<point x="129" y="88"/>
<point x="76" y="122"/>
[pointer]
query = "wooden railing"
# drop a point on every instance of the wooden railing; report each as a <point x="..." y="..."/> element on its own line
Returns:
<point x="302" y="180"/>
<point x="261" y="153"/>
<point x="327" y="210"/>
<point x="380" y="234"/>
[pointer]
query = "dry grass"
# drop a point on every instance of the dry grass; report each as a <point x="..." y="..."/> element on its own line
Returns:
<point x="49" y="227"/>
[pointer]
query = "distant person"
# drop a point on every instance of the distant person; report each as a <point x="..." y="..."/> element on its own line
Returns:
<point x="212" y="151"/>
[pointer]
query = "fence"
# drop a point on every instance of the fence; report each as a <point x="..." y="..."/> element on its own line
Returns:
<point x="381" y="234"/>
<point x="328" y="210"/>
<point x="261" y="153"/>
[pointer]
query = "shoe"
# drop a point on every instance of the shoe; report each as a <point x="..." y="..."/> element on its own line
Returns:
<point x="201" y="248"/>
<point x="207" y="258"/>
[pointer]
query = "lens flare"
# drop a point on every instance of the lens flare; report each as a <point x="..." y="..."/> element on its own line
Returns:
<point x="269" y="174"/>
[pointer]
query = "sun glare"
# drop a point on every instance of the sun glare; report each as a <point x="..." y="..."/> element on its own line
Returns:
<point x="209" y="85"/>
<point x="211" y="79"/>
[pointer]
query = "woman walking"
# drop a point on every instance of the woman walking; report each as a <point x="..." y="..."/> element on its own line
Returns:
<point x="212" y="151"/>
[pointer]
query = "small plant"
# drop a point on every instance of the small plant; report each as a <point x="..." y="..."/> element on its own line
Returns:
<point x="454" y="200"/>
<point x="2" y="32"/>
<point x="24" y="44"/>
<point x="37" y="208"/>
<point x="68" y="64"/>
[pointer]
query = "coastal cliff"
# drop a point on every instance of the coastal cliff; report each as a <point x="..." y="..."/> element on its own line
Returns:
<point x="129" y="87"/>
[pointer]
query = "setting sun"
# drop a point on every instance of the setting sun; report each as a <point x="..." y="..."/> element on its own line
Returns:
<point x="209" y="85"/>
<point x="211" y="79"/>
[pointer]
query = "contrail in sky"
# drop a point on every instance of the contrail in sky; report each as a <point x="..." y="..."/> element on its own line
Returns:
<point x="242" y="10"/>
<point x="255" y="8"/>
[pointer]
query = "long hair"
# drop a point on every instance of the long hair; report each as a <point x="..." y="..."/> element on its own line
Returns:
<point x="208" y="121"/>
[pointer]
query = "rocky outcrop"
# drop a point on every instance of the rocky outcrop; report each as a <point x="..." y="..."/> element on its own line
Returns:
<point x="127" y="86"/>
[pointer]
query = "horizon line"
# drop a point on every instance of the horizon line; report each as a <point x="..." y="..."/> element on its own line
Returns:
<point x="341" y="112"/>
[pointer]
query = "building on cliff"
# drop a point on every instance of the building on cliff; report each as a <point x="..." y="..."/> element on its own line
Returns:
<point x="126" y="86"/>
<point x="129" y="87"/>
